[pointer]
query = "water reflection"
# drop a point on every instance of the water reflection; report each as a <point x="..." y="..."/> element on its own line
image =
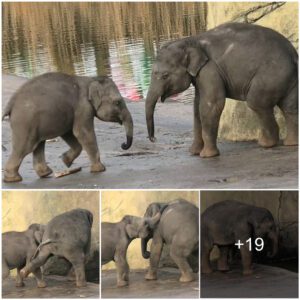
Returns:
<point x="115" y="39"/>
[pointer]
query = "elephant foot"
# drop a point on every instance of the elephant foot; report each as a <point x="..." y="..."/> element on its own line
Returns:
<point x="187" y="277"/>
<point x="41" y="284"/>
<point x="290" y="141"/>
<point x="267" y="142"/>
<point x="196" y="148"/>
<point x="206" y="270"/>
<point x="209" y="152"/>
<point x="122" y="283"/>
<point x="248" y="272"/>
<point x="24" y="273"/>
<point x="223" y="269"/>
<point x="97" y="168"/>
<point x="20" y="284"/>
<point x="16" y="177"/>
<point x="151" y="275"/>
<point x="67" y="160"/>
<point x="45" y="172"/>
<point x="80" y="284"/>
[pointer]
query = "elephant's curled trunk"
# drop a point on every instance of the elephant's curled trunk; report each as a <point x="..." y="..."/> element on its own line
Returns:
<point x="145" y="253"/>
<point x="151" y="101"/>
<point x="128" y="124"/>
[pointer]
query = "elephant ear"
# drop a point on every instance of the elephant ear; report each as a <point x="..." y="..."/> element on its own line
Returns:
<point x="94" y="95"/>
<point x="131" y="231"/>
<point x="196" y="59"/>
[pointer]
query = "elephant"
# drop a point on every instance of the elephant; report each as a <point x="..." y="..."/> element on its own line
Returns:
<point x="226" y="223"/>
<point x="116" y="237"/>
<point x="244" y="62"/>
<point x="17" y="250"/>
<point x="67" y="235"/>
<point x="57" y="104"/>
<point x="179" y="228"/>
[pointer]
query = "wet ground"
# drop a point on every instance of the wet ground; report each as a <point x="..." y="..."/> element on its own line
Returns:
<point x="167" y="285"/>
<point x="266" y="282"/>
<point x="164" y="164"/>
<point x="58" y="287"/>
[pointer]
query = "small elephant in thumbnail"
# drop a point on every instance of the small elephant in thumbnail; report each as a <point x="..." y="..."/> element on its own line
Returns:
<point x="17" y="250"/>
<point x="57" y="104"/>
<point x="225" y="223"/>
<point x="67" y="235"/>
<point x="116" y="237"/>
<point x="179" y="228"/>
<point x="244" y="62"/>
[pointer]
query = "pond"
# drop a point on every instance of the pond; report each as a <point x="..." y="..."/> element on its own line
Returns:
<point x="115" y="39"/>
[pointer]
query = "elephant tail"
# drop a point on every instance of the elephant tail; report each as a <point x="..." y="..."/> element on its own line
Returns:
<point x="38" y="249"/>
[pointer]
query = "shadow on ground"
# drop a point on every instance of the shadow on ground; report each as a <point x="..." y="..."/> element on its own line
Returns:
<point x="167" y="285"/>
<point x="58" y="287"/>
<point x="266" y="282"/>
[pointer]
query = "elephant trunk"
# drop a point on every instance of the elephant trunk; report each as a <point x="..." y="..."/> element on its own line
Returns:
<point x="151" y="101"/>
<point x="274" y="238"/>
<point x="128" y="124"/>
<point x="145" y="253"/>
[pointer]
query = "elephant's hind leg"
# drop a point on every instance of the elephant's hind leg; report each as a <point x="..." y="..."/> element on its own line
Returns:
<point x="289" y="107"/>
<point x="39" y="161"/>
<point x="75" y="148"/>
<point x="5" y="269"/>
<point x="19" y="279"/>
<point x="39" y="278"/>
<point x="223" y="260"/>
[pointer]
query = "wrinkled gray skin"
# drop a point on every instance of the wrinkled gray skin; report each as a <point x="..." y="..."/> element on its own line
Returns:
<point x="240" y="61"/>
<point x="17" y="250"/>
<point x="67" y="235"/>
<point x="179" y="228"/>
<point x="226" y="222"/>
<point x="116" y="237"/>
<point x="56" y="104"/>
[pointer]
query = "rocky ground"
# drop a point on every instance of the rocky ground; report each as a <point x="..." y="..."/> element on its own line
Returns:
<point x="167" y="286"/>
<point x="58" y="287"/>
<point x="164" y="164"/>
<point x="266" y="282"/>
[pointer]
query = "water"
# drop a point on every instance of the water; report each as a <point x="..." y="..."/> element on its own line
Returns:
<point x="115" y="39"/>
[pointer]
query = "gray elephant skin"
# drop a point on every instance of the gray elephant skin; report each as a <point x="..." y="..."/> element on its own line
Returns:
<point x="57" y="104"/>
<point x="116" y="237"/>
<point x="244" y="62"/>
<point x="67" y="235"/>
<point x="225" y="223"/>
<point x="17" y="250"/>
<point x="179" y="228"/>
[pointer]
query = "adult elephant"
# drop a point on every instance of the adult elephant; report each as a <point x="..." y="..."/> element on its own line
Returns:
<point x="241" y="61"/>
<point x="178" y="227"/>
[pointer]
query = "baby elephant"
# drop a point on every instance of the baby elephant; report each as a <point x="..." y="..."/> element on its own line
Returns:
<point x="17" y="250"/>
<point x="179" y="228"/>
<point x="67" y="235"/>
<point x="225" y="223"/>
<point x="116" y="237"/>
<point x="56" y="104"/>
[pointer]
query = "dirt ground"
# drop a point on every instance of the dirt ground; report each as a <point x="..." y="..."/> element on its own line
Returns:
<point x="58" y="287"/>
<point x="164" y="164"/>
<point x="167" y="285"/>
<point x="266" y="282"/>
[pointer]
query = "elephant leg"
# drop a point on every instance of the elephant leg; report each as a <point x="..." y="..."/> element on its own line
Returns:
<point x="246" y="259"/>
<point x="5" y="269"/>
<point x="180" y="258"/>
<point x="122" y="268"/>
<point x="223" y="260"/>
<point x="77" y="259"/>
<point x="289" y="108"/>
<point x="39" y="161"/>
<point x="71" y="274"/>
<point x="75" y="148"/>
<point x="197" y="145"/>
<point x="85" y="133"/>
<point x="205" y="259"/>
<point x="39" y="278"/>
<point x="19" y="279"/>
<point x="193" y="261"/>
<point x="155" y="253"/>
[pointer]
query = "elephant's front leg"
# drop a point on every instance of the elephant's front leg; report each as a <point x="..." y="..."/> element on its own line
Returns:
<point x="246" y="258"/>
<point x="223" y="259"/>
<point x="19" y="279"/>
<point x="211" y="107"/>
<point x="39" y="278"/>
<point x="197" y="145"/>
<point x="155" y="253"/>
<point x="122" y="267"/>
<point x="85" y="133"/>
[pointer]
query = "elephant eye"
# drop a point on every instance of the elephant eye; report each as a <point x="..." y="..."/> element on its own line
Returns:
<point x="165" y="76"/>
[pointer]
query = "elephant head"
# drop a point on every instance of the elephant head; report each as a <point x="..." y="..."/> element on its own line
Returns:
<point x="175" y="66"/>
<point x="152" y="210"/>
<point x="137" y="227"/>
<point x="264" y="227"/>
<point x="110" y="106"/>
<point x="37" y="231"/>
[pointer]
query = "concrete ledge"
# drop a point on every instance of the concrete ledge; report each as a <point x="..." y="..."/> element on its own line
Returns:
<point x="167" y="285"/>
<point x="266" y="282"/>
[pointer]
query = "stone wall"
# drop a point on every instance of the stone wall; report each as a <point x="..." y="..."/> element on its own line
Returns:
<point x="238" y="122"/>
